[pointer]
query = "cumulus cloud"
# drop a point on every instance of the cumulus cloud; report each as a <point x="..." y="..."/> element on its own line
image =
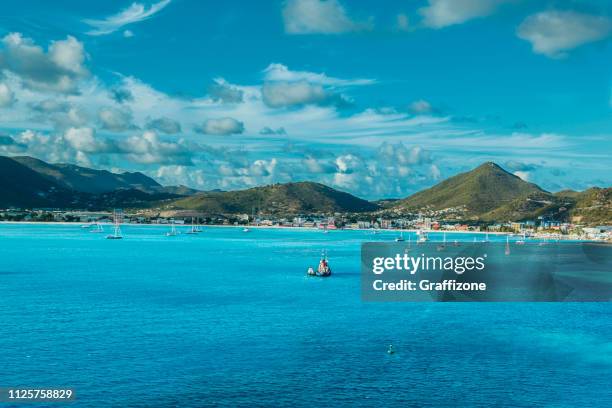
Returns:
<point x="133" y="14"/>
<point x="221" y="126"/>
<point x="59" y="69"/>
<point x="149" y="148"/>
<point x="115" y="120"/>
<point x="443" y="13"/>
<point x="318" y="17"/>
<point x="164" y="125"/>
<point x="6" y="95"/>
<point x="223" y="92"/>
<point x="554" y="33"/>
<point x="283" y="94"/>
<point x="84" y="140"/>
<point x="398" y="153"/>
<point x="276" y="72"/>
<point x="523" y="175"/>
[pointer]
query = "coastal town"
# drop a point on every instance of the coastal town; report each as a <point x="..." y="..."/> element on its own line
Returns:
<point x="537" y="228"/>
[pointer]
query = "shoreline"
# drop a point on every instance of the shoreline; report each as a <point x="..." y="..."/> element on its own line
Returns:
<point x="312" y="229"/>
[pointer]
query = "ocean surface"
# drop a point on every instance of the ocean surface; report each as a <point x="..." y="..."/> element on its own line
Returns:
<point x="227" y="318"/>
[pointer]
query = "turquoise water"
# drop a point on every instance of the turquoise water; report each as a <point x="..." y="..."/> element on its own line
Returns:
<point x="227" y="318"/>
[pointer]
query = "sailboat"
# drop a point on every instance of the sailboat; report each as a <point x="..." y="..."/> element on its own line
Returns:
<point x="98" y="228"/>
<point x="443" y="245"/>
<point x="173" y="232"/>
<point x="486" y="237"/>
<point x="422" y="236"/>
<point x="400" y="238"/>
<point x="194" y="229"/>
<point x="117" y="230"/>
<point x="507" y="251"/>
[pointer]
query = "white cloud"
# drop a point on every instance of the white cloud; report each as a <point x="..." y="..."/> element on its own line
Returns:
<point x="57" y="70"/>
<point x="282" y="73"/>
<point x="84" y="140"/>
<point x="165" y="125"/>
<point x="115" y="120"/>
<point x="6" y="95"/>
<point x="443" y="13"/>
<point x="222" y="91"/>
<point x="133" y="14"/>
<point x="523" y="175"/>
<point x="148" y="148"/>
<point x="282" y="94"/>
<point x="222" y="126"/>
<point x="318" y="17"/>
<point x="553" y="33"/>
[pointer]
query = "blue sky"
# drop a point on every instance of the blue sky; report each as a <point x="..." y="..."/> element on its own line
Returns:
<point x="380" y="99"/>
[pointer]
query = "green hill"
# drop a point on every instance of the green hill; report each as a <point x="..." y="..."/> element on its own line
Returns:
<point x="477" y="192"/>
<point x="22" y="187"/>
<point x="593" y="207"/>
<point x="88" y="180"/>
<point x="290" y="198"/>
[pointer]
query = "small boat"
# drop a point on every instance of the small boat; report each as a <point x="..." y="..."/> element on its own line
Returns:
<point x="193" y="229"/>
<point x="87" y="226"/>
<point x="173" y="232"/>
<point x="521" y="241"/>
<point x="391" y="349"/>
<point x="117" y="230"/>
<point x="245" y="229"/>
<point x="400" y="238"/>
<point x="311" y="272"/>
<point x="422" y="237"/>
<point x="98" y="228"/>
<point x="324" y="270"/>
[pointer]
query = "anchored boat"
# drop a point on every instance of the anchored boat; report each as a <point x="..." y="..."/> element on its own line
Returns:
<point x="117" y="230"/>
<point x="323" y="269"/>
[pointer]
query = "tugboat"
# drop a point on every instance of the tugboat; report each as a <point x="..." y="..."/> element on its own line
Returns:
<point x="323" y="269"/>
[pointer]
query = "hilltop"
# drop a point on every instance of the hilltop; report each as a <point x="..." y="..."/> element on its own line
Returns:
<point x="289" y="198"/>
<point x="479" y="191"/>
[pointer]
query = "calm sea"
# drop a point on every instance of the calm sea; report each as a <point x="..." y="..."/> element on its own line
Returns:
<point x="227" y="318"/>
